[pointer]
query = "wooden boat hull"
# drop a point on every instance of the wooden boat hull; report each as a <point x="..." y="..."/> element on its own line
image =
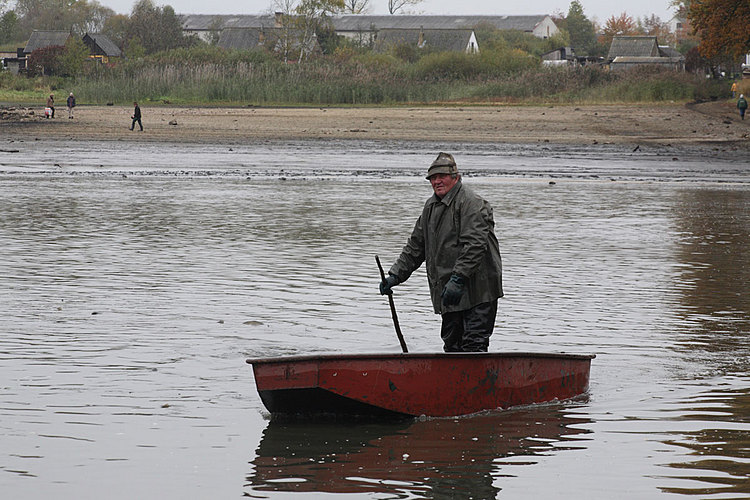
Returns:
<point x="414" y="384"/>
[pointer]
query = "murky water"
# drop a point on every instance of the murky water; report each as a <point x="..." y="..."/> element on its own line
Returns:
<point x="138" y="278"/>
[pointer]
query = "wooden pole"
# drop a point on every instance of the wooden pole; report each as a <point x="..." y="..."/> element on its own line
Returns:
<point x="393" y="309"/>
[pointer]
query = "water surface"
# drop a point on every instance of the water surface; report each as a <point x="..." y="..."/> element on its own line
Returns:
<point x="138" y="277"/>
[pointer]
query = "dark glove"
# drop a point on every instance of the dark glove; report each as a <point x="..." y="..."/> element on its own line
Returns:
<point x="389" y="282"/>
<point x="453" y="290"/>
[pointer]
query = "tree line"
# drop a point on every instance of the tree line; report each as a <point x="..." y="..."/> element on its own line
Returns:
<point x="149" y="28"/>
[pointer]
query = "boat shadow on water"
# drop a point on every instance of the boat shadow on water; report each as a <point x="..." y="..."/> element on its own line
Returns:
<point x="423" y="457"/>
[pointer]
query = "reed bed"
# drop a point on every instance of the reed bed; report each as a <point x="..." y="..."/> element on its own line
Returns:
<point x="211" y="76"/>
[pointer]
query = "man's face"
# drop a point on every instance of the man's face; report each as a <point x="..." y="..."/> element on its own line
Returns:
<point x="442" y="183"/>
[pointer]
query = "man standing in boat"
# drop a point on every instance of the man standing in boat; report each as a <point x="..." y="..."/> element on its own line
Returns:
<point x="455" y="238"/>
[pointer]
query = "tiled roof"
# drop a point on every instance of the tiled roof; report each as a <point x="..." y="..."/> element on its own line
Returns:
<point x="367" y="23"/>
<point x="106" y="46"/>
<point x="239" y="38"/>
<point x="445" y="39"/>
<point x="250" y="38"/>
<point x="670" y="52"/>
<point x="646" y="60"/>
<point x="633" y="46"/>
<point x="209" y="21"/>
<point x="41" y="39"/>
<point x="363" y="22"/>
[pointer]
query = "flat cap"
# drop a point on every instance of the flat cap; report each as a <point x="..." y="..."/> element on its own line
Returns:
<point x="443" y="164"/>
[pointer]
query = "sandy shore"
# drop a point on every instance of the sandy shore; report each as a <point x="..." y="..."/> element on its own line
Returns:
<point x="708" y="124"/>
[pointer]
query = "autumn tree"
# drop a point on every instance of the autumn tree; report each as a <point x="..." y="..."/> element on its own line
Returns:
<point x="622" y="25"/>
<point x="722" y="26"/>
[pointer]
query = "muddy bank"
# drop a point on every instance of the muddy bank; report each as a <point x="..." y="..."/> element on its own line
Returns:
<point x="705" y="124"/>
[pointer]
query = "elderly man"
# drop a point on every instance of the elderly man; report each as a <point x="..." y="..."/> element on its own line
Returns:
<point x="455" y="238"/>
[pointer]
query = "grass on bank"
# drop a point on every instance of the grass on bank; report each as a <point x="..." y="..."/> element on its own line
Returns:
<point x="212" y="77"/>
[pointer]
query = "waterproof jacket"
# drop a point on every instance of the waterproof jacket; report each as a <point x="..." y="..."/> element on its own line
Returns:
<point x="455" y="235"/>
<point x="137" y="113"/>
<point x="71" y="102"/>
<point x="742" y="103"/>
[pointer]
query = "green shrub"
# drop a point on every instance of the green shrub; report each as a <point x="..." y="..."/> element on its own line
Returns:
<point x="447" y="66"/>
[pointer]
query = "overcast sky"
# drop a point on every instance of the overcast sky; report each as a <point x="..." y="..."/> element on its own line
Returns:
<point x="600" y="10"/>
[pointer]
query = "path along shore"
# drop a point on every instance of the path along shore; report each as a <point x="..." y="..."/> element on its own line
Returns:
<point x="710" y="125"/>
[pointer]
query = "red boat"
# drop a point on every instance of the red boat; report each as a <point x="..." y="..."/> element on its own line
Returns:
<point x="414" y="384"/>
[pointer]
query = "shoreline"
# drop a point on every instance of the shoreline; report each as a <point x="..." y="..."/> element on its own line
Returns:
<point x="704" y="125"/>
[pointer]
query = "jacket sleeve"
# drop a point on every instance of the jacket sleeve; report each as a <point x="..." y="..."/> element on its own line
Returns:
<point x="474" y="236"/>
<point x="413" y="254"/>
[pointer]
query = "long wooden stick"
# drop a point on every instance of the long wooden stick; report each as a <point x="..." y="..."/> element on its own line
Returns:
<point x="393" y="309"/>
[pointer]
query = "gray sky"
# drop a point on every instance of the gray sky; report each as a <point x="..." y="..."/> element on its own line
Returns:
<point x="599" y="9"/>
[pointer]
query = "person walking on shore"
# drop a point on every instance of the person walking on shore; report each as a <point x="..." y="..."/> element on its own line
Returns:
<point x="734" y="90"/>
<point x="455" y="238"/>
<point x="71" y="104"/>
<point x="742" y="105"/>
<point x="136" y="117"/>
<point x="51" y="105"/>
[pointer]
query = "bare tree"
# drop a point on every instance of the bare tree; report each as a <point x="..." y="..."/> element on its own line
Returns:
<point x="396" y="5"/>
<point x="312" y="15"/>
<point x="356" y="6"/>
<point x="284" y="11"/>
<point x="298" y="22"/>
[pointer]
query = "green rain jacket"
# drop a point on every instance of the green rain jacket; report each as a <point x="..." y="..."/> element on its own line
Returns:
<point x="455" y="235"/>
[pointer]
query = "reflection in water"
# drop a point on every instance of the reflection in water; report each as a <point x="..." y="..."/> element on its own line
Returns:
<point x="432" y="458"/>
<point x="714" y="237"/>
<point x="713" y="228"/>
<point x="717" y="460"/>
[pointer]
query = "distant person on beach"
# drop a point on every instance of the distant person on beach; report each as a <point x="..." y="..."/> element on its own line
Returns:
<point x="51" y="105"/>
<point x="742" y="105"/>
<point x="455" y="239"/>
<point x="71" y="104"/>
<point x="734" y="90"/>
<point x="136" y="117"/>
